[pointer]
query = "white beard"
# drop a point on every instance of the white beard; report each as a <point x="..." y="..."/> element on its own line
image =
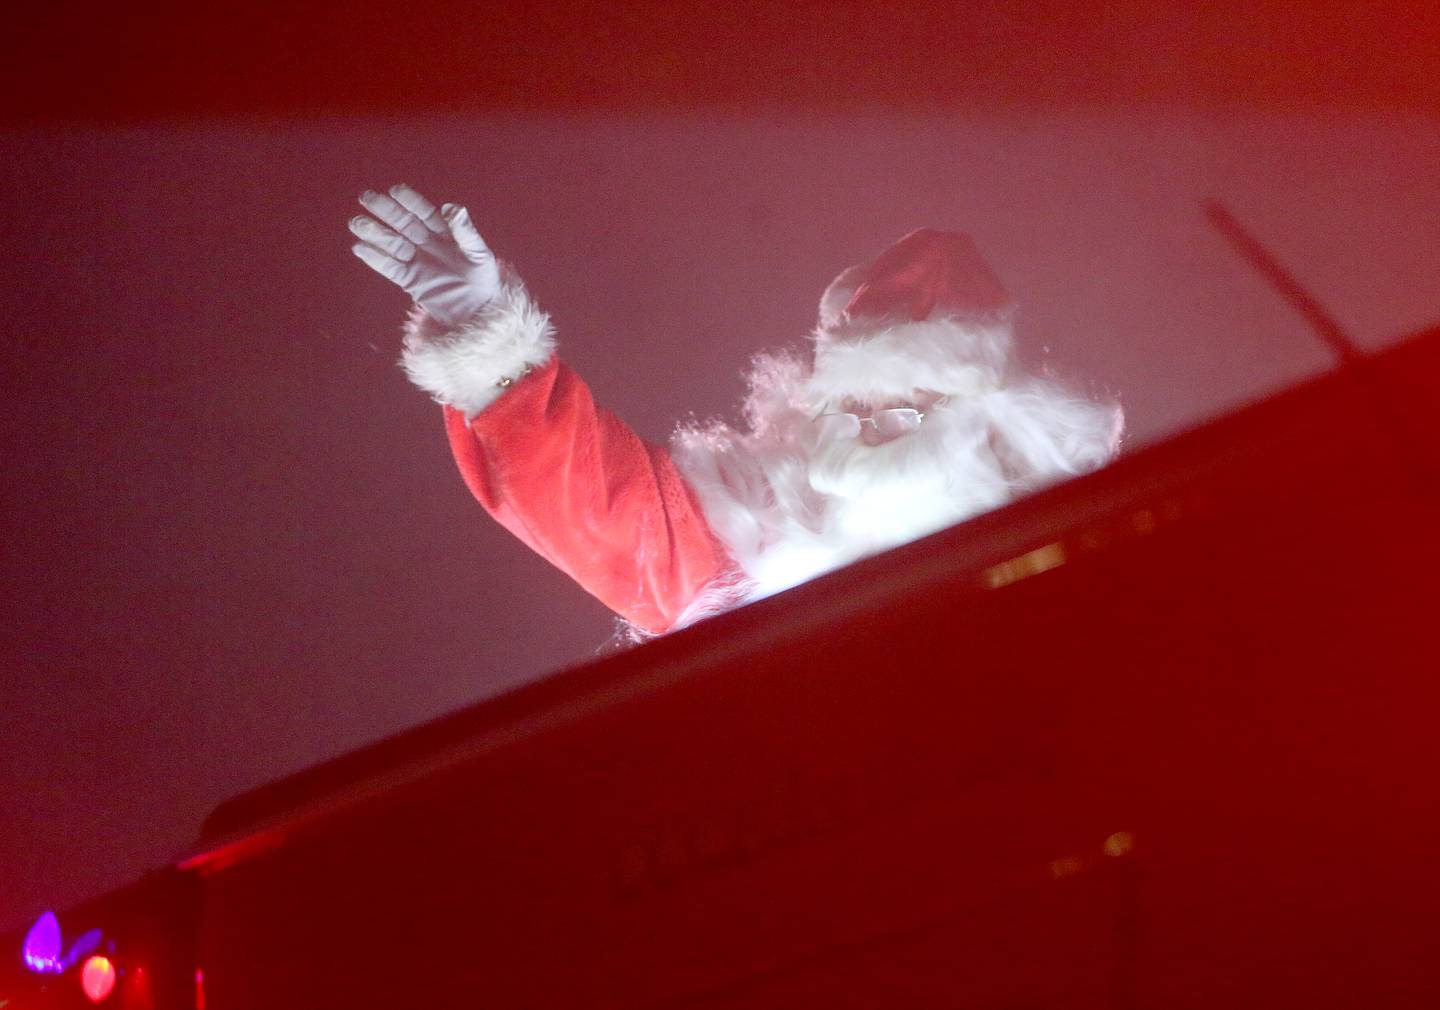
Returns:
<point x="789" y="509"/>
<point x="861" y="499"/>
<point x="881" y="496"/>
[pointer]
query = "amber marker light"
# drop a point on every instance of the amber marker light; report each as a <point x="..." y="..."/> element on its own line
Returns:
<point x="97" y="978"/>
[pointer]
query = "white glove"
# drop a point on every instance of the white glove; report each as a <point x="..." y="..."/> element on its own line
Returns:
<point x="436" y="256"/>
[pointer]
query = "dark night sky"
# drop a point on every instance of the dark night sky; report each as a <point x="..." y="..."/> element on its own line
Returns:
<point x="235" y="542"/>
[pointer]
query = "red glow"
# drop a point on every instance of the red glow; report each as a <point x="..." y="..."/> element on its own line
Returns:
<point x="136" y="994"/>
<point x="226" y="856"/>
<point x="97" y="978"/>
<point x="199" y="989"/>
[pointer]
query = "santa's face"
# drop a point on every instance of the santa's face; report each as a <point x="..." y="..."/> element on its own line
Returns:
<point x="885" y="420"/>
<point x="886" y="484"/>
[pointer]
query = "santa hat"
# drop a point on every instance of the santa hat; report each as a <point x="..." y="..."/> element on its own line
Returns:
<point x="928" y="313"/>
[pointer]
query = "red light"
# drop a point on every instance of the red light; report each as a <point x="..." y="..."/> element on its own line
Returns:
<point x="97" y="978"/>
<point x="136" y="994"/>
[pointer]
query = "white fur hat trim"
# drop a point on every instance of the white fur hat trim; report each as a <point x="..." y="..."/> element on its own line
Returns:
<point x="874" y="361"/>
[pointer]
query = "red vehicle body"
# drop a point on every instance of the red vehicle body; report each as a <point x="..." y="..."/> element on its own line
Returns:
<point x="1160" y="737"/>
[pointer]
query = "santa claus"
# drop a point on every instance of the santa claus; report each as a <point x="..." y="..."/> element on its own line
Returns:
<point x="911" y="416"/>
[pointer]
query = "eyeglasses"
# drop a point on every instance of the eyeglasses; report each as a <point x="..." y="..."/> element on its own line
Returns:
<point x="890" y="423"/>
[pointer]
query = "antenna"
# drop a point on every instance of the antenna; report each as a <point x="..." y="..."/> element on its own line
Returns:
<point x="1391" y="403"/>
<point x="1269" y="267"/>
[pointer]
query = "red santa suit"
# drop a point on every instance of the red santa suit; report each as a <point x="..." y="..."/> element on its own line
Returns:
<point x="664" y="535"/>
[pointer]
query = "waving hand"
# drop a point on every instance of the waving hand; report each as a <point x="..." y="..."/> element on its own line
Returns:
<point x="435" y="255"/>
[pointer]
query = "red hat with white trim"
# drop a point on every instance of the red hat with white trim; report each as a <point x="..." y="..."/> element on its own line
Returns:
<point x="927" y="314"/>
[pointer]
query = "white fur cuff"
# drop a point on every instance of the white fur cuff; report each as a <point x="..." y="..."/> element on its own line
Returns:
<point x="466" y="366"/>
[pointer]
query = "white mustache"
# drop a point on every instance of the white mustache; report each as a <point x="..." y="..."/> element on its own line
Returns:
<point x="942" y="444"/>
<point x="848" y="467"/>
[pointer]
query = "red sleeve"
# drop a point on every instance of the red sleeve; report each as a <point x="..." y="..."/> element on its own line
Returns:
<point x="586" y="493"/>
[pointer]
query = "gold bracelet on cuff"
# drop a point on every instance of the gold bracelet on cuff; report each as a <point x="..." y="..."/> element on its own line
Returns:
<point x="507" y="381"/>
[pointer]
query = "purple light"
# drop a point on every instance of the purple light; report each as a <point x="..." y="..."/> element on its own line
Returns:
<point x="86" y="944"/>
<point x="42" y="945"/>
